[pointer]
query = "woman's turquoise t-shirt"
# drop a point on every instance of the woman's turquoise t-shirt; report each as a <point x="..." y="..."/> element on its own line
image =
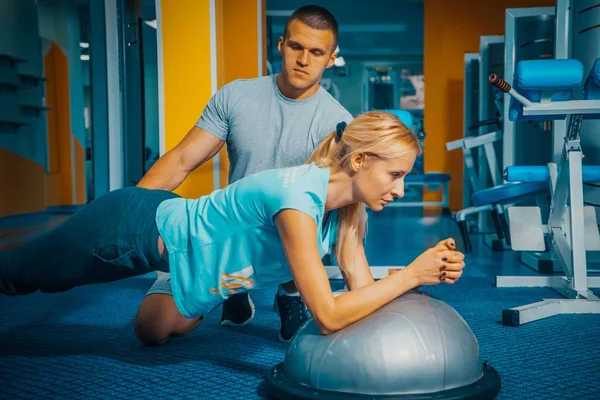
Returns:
<point x="227" y="242"/>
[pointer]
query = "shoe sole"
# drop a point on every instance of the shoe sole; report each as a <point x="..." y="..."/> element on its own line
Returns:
<point x="227" y="322"/>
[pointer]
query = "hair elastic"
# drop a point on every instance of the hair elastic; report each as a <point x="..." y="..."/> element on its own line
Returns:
<point x="340" y="129"/>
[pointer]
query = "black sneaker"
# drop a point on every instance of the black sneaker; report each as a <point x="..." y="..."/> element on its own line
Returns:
<point x="292" y="313"/>
<point x="238" y="310"/>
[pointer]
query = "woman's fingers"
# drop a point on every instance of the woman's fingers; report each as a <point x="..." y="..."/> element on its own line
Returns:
<point x="452" y="274"/>
<point x="448" y="244"/>
<point x="452" y="266"/>
<point x="451" y="256"/>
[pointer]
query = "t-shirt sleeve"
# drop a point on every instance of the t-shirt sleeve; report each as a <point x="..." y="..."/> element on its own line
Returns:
<point x="290" y="192"/>
<point x="216" y="114"/>
<point x="299" y="201"/>
<point x="331" y="123"/>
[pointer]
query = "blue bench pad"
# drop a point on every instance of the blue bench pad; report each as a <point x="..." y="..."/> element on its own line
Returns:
<point x="548" y="74"/>
<point x="534" y="76"/>
<point x="591" y="173"/>
<point x="404" y="116"/>
<point x="506" y="192"/>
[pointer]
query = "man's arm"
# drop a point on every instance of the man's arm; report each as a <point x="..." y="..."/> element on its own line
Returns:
<point x="170" y="170"/>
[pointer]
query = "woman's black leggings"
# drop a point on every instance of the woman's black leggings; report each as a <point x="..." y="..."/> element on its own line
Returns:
<point x="113" y="237"/>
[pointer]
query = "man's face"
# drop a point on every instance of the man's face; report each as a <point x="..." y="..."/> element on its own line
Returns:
<point x="306" y="53"/>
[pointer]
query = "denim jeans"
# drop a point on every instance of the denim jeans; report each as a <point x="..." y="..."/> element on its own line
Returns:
<point x="113" y="237"/>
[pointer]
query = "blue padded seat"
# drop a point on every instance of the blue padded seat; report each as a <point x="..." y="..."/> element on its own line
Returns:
<point x="519" y="173"/>
<point x="592" y="84"/>
<point x="430" y="177"/>
<point x="532" y="77"/>
<point x="501" y="193"/>
<point x="548" y="74"/>
<point x="403" y="115"/>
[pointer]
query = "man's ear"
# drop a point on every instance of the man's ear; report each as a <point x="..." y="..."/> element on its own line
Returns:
<point x="331" y="60"/>
<point x="280" y="44"/>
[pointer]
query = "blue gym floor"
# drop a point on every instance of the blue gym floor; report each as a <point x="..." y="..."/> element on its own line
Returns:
<point x="81" y="344"/>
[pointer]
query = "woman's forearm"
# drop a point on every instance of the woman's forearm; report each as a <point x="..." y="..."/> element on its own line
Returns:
<point x="357" y="304"/>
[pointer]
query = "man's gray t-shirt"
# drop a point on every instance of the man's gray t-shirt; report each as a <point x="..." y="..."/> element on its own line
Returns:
<point x="264" y="129"/>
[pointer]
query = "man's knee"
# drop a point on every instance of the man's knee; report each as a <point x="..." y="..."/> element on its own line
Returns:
<point x="150" y="325"/>
<point x="158" y="318"/>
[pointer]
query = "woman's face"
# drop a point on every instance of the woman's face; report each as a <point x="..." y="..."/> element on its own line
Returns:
<point x="378" y="181"/>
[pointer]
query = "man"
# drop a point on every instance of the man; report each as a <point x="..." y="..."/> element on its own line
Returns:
<point x="267" y="122"/>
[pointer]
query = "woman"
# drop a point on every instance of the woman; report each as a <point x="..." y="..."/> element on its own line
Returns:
<point x="266" y="228"/>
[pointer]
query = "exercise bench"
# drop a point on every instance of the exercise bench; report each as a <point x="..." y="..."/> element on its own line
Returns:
<point x="543" y="91"/>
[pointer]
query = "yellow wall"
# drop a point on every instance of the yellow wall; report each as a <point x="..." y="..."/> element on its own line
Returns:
<point x="27" y="182"/>
<point x="452" y="28"/>
<point x="186" y="79"/>
<point x="60" y="168"/>
<point x="240" y="52"/>
<point x="187" y="69"/>
<point x="233" y="17"/>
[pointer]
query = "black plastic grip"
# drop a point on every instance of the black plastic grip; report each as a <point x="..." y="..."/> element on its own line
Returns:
<point x="499" y="83"/>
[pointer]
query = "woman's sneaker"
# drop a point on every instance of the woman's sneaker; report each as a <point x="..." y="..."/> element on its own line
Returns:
<point x="238" y="310"/>
<point x="292" y="313"/>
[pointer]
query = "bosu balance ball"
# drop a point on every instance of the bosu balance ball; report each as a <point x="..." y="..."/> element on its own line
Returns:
<point x="415" y="347"/>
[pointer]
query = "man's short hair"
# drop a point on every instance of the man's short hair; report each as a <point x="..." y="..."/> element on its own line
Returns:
<point x="317" y="18"/>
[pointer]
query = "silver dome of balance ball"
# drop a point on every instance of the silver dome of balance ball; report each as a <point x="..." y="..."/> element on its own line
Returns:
<point x="415" y="347"/>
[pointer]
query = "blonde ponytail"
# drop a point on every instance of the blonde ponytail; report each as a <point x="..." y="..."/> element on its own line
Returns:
<point x="379" y="133"/>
